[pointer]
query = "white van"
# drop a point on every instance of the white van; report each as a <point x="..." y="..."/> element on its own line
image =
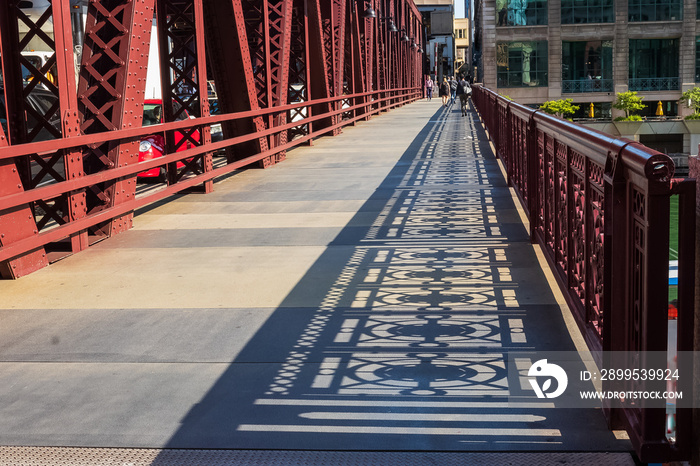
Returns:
<point x="38" y="59"/>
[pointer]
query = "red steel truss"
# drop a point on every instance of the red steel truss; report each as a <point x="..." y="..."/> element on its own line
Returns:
<point x="284" y="72"/>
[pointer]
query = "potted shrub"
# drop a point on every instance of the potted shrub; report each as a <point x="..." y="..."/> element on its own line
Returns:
<point x="630" y="103"/>
<point x="691" y="99"/>
<point x="563" y="108"/>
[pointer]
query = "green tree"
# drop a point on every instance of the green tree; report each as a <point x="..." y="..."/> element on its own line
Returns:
<point x="691" y="99"/>
<point x="630" y="102"/>
<point x="563" y="108"/>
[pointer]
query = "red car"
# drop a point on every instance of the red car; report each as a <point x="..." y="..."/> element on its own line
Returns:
<point x="153" y="146"/>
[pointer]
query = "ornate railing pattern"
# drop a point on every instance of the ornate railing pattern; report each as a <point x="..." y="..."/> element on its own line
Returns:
<point x="654" y="84"/>
<point x="571" y="86"/>
<point x="599" y="208"/>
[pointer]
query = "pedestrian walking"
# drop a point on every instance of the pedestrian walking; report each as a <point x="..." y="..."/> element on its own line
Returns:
<point x="453" y="89"/>
<point x="464" y="90"/>
<point x="444" y="91"/>
<point x="429" y="88"/>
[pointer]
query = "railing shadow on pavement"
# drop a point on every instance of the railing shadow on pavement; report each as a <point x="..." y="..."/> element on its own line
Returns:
<point x="398" y="337"/>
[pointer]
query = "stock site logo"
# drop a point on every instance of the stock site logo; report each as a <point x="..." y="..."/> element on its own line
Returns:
<point x="543" y="370"/>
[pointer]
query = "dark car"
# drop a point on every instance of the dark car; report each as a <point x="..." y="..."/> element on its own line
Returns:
<point x="41" y="103"/>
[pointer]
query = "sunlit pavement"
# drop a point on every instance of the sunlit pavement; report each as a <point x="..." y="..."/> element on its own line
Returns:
<point x="362" y="296"/>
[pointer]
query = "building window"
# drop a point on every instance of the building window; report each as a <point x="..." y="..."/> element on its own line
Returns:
<point x="521" y="12"/>
<point x="655" y="10"/>
<point x="587" y="66"/>
<point x="521" y="64"/>
<point x="654" y="65"/>
<point x="587" y="11"/>
<point x="669" y="108"/>
<point x="601" y="111"/>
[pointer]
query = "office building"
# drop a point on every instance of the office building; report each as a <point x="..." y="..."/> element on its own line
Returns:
<point x="589" y="50"/>
<point x="438" y="21"/>
<point x="462" y="55"/>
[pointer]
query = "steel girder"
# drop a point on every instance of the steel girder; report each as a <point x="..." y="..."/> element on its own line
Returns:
<point x="180" y="25"/>
<point x="232" y="66"/>
<point x="41" y="104"/>
<point x="299" y="67"/>
<point x="110" y="97"/>
<point x="324" y="61"/>
<point x="17" y="223"/>
<point x="268" y="26"/>
<point x="286" y="71"/>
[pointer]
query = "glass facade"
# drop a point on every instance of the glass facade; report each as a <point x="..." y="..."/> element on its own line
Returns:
<point x="655" y="10"/>
<point x="521" y="64"/>
<point x="521" y="12"/>
<point x="587" y="66"/>
<point x="587" y="11"/>
<point x="654" y="65"/>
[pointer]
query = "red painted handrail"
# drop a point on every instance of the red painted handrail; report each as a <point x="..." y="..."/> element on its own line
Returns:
<point x="599" y="208"/>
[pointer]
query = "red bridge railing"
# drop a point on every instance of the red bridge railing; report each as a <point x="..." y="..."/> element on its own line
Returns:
<point x="599" y="209"/>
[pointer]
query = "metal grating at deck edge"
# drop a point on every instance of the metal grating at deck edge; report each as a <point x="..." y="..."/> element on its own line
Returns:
<point x="55" y="456"/>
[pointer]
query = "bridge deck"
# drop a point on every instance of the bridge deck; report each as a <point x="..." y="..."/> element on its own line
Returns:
<point x="362" y="295"/>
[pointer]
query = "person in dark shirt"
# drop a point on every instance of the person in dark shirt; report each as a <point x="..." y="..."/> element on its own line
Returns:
<point x="464" y="90"/>
<point x="453" y="89"/>
<point x="445" y="91"/>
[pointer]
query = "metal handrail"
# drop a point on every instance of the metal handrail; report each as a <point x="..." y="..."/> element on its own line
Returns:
<point x="599" y="207"/>
<point x="385" y="100"/>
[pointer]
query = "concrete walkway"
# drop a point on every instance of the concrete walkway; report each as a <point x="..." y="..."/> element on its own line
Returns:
<point x="362" y="295"/>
